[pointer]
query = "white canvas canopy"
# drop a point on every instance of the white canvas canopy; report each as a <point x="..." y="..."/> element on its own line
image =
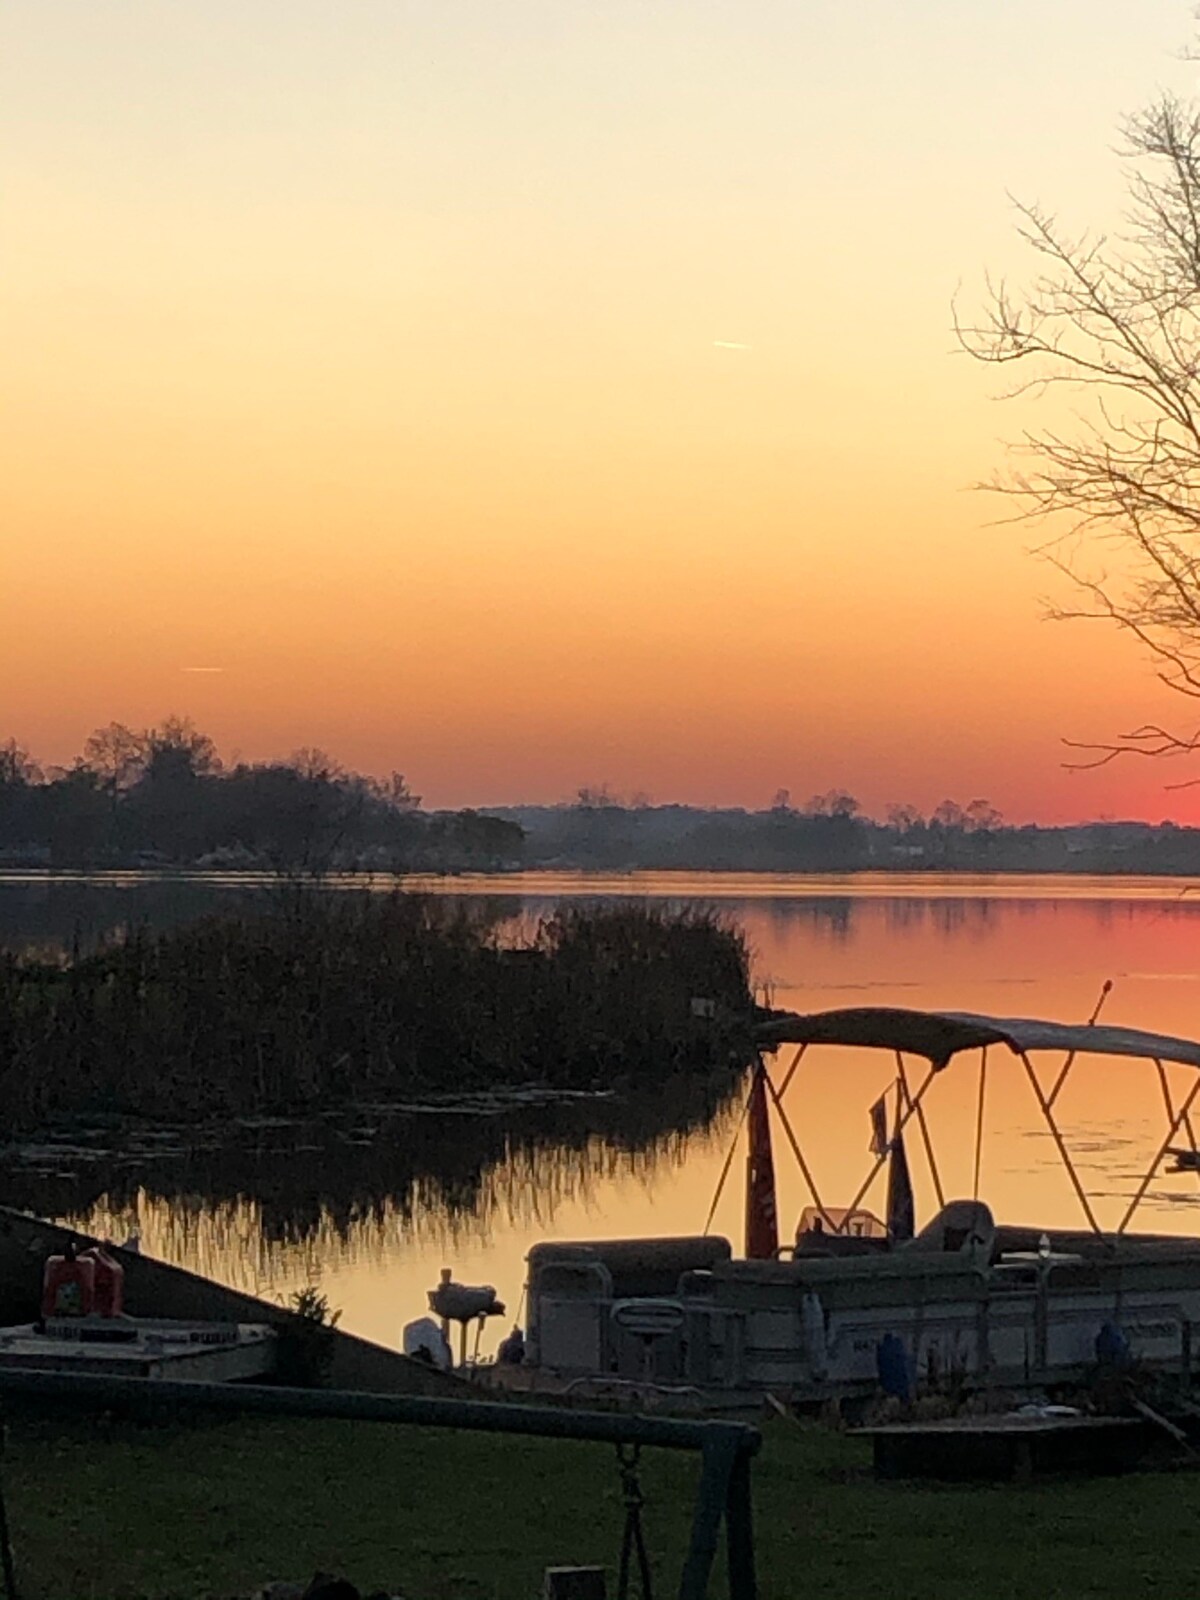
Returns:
<point x="940" y="1035"/>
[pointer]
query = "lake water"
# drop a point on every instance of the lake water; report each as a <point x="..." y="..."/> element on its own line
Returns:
<point x="371" y="1213"/>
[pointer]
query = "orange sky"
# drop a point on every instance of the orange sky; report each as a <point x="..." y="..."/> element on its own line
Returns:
<point x="528" y="396"/>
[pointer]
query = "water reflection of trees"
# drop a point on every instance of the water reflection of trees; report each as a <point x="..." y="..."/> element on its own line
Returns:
<point x="301" y="1200"/>
<point x="42" y="914"/>
<point x="48" y="913"/>
<point x="830" y="916"/>
<point x="840" y="918"/>
<point x="56" y="914"/>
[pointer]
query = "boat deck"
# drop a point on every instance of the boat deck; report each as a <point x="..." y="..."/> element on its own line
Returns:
<point x="147" y="1348"/>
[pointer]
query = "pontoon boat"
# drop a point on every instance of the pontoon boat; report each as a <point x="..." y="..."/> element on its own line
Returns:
<point x="965" y="1295"/>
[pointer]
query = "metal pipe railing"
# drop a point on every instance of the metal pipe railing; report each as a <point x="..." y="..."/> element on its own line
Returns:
<point x="726" y="1448"/>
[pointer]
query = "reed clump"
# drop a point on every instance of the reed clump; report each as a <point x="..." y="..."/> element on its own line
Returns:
<point x="322" y="999"/>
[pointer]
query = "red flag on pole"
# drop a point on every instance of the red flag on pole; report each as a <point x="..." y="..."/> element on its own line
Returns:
<point x="762" y="1227"/>
<point x="901" y="1211"/>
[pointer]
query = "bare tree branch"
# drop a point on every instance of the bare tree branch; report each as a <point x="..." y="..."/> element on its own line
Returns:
<point x="1117" y="321"/>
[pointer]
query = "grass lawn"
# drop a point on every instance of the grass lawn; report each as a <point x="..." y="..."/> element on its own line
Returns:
<point x="217" y="1508"/>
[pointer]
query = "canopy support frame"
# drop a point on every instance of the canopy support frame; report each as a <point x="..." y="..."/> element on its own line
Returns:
<point x="1061" y="1079"/>
<point x="1164" y="1082"/>
<point x="1065" y="1154"/>
<point x="1152" y="1169"/>
<point x="1165" y="1087"/>
<point x="799" y="1154"/>
<point x="791" y="1071"/>
<point x="930" y="1154"/>
<point x="733" y="1144"/>
<point x="979" y="1122"/>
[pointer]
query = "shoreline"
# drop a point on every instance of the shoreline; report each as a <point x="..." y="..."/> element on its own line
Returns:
<point x="642" y="882"/>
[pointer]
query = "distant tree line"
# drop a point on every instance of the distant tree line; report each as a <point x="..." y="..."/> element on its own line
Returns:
<point x="163" y="797"/>
<point x="831" y="833"/>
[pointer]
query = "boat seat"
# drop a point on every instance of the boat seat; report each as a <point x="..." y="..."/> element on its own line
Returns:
<point x="964" y="1227"/>
<point x="838" y="1245"/>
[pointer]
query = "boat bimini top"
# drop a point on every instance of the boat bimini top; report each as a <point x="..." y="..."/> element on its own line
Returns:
<point x="939" y="1035"/>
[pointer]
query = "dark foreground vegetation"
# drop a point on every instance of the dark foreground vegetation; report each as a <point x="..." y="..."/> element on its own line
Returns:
<point x="317" y="1001"/>
<point x="163" y="798"/>
<point x="113" y="1510"/>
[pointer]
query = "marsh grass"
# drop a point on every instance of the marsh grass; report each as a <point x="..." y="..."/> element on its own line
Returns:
<point x="321" y="1000"/>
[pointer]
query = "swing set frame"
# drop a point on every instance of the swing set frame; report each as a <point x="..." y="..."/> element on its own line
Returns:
<point x="726" y="1449"/>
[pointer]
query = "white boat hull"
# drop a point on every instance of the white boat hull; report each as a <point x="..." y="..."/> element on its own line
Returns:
<point x="813" y="1328"/>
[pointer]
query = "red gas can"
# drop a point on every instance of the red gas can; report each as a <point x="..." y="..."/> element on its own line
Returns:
<point x="68" y="1285"/>
<point x="109" y="1292"/>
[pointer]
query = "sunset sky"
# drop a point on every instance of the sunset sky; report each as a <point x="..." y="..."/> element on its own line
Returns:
<point x="529" y="393"/>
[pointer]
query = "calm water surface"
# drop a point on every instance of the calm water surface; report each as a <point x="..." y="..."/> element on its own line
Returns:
<point x="372" y="1208"/>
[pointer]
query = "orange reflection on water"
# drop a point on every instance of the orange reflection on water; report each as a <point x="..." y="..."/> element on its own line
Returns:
<point x="1009" y="947"/>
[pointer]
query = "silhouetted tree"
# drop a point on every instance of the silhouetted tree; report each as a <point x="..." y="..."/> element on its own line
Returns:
<point x="167" y="808"/>
<point x="77" y="819"/>
<point x="598" y="830"/>
<point x="833" y="803"/>
<point x="905" y="819"/>
<point x="596" y="797"/>
<point x="177" y="748"/>
<point x="1116" y="321"/>
<point x="19" y="777"/>
<point x="116" y="755"/>
<point x="981" y="816"/>
<point x="18" y="769"/>
<point x="315" y="765"/>
<point x="948" y="816"/>
<point x="457" y="840"/>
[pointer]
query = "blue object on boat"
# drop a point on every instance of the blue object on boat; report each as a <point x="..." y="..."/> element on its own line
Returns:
<point x="1112" y="1347"/>
<point x="891" y="1361"/>
<point x="511" y="1351"/>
